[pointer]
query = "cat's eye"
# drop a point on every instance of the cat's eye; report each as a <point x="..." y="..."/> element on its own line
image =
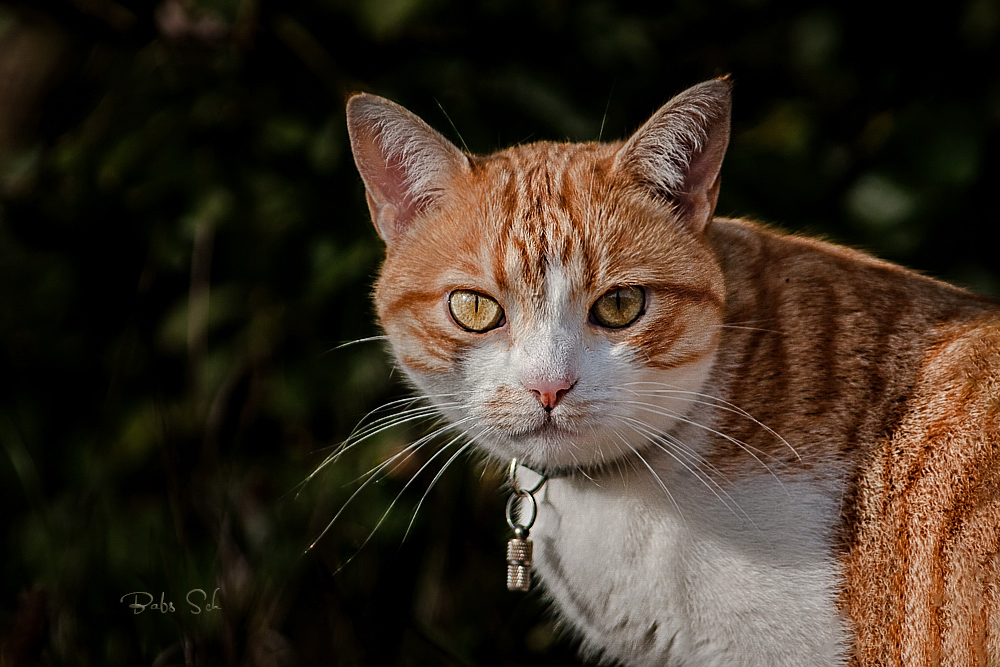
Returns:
<point x="619" y="307"/>
<point x="474" y="311"/>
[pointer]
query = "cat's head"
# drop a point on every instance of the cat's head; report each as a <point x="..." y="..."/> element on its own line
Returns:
<point x="557" y="302"/>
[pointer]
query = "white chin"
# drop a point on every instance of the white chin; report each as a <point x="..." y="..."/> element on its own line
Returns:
<point x="550" y="448"/>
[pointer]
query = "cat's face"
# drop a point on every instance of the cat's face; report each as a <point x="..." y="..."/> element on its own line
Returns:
<point x="548" y="299"/>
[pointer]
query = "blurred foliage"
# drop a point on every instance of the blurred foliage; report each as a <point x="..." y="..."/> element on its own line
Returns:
<point x="184" y="246"/>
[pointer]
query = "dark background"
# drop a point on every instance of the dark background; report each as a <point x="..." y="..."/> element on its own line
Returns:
<point x="184" y="244"/>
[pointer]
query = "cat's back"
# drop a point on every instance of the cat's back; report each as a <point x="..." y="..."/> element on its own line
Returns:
<point x="774" y="259"/>
<point x="900" y="374"/>
<point x="912" y="367"/>
<point x="830" y="343"/>
<point x="923" y="545"/>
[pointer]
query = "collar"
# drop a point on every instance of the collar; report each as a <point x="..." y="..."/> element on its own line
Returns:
<point x="548" y="473"/>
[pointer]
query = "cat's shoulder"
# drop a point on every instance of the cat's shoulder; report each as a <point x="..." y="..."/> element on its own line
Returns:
<point x="781" y="243"/>
<point x="964" y="365"/>
<point x="772" y="251"/>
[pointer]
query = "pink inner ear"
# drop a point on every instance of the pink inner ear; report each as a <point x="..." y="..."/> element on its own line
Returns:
<point x="702" y="183"/>
<point x="404" y="163"/>
<point x="391" y="199"/>
<point x="396" y="206"/>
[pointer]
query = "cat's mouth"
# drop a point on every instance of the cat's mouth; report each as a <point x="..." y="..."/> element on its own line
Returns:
<point x="549" y="425"/>
<point x="546" y="446"/>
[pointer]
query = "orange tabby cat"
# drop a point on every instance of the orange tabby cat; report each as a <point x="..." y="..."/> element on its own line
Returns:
<point x="763" y="449"/>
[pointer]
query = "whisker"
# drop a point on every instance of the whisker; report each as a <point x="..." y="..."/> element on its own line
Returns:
<point x="658" y="481"/>
<point x="362" y="430"/>
<point x="621" y="461"/>
<point x="681" y="448"/>
<point x="348" y="343"/>
<point x="453" y="126"/>
<point x="738" y="326"/>
<point x="700" y="475"/>
<point x="416" y="414"/>
<point x="604" y="118"/>
<point x="382" y="423"/>
<point x="409" y="450"/>
<point x="696" y="401"/>
<point x="402" y="491"/>
<point x="406" y="400"/>
<point x="412" y="447"/>
<point x="461" y="450"/>
<point x="725" y="405"/>
<point x="410" y="481"/>
<point x="666" y="412"/>
<point x="371" y="477"/>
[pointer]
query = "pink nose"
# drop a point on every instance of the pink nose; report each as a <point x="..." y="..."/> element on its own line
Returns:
<point x="550" y="392"/>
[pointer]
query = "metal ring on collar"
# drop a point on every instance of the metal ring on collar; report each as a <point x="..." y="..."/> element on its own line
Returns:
<point x="510" y="512"/>
<point x="512" y="473"/>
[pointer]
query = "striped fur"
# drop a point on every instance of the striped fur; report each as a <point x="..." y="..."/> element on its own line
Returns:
<point x="789" y="458"/>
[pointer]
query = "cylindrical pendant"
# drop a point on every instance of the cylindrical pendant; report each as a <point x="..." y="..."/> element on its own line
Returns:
<point x="519" y="553"/>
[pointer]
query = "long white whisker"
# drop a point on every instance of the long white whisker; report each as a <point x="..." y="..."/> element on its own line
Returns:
<point x="461" y="450"/>
<point x="663" y="438"/>
<point x="416" y="415"/>
<point x="348" y="343"/>
<point x="725" y="405"/>
<point x="365" y="430"/>
<point x="666" y="412"/>
<point x="364" y="424"/>
<point x="409" y="450"/>
<point x="372" y="475"/>
<point x="643" y="429"/>
<point x="621" y="461"/>
<point x="387" y="422"/>
<point x="399" y="495"/>
<point x="658" y="481"/>
<point x="692" y="400"/>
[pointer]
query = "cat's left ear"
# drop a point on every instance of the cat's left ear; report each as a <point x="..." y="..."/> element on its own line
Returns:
<point x="406" y="164"/>
<point x="676" y="156"/>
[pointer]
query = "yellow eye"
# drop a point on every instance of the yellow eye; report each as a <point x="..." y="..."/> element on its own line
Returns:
<point x="619" y="307"/>
<point x="474" y="311"/>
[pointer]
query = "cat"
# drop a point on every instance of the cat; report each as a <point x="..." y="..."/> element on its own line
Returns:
<point x="762" y="449"/>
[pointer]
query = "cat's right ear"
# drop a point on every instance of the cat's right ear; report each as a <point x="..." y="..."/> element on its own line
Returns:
<point x="405" y="164"/>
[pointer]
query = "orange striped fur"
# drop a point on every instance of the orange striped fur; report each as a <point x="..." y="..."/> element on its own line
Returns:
<point x="873" y="390"/>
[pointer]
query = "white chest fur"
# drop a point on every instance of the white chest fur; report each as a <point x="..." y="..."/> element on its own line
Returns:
<point x="740" y="577"/>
